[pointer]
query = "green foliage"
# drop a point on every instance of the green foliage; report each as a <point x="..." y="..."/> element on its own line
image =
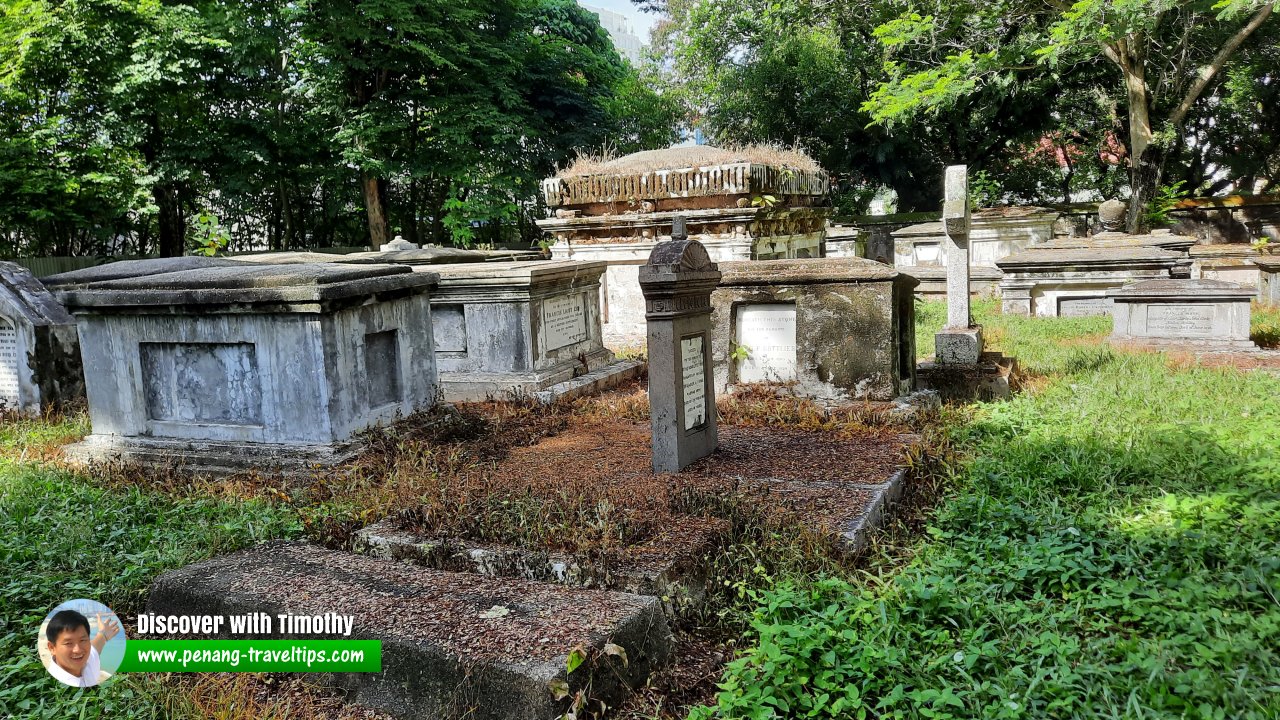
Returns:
<point x="984" y="190"/>
<point x="1109" y="551"/>
<point x="1166" y="198"/>
<point x="122" y="120"/>
<point x="61" y="538"/>
<point x="208" y="237"/>
<point x="740" y="353"/>
<point x="1082" y="57"/>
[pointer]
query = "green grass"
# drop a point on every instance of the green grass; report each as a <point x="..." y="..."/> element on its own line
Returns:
<point x="63" y="537"/>
<point x="1111" y="548"/>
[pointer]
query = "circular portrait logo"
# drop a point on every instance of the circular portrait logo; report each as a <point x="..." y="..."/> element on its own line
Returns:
<point x="81" y="643"/>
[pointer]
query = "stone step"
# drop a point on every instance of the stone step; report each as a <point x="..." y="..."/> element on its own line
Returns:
<point x="445" y="651"/>
<point x="671" y="566"/>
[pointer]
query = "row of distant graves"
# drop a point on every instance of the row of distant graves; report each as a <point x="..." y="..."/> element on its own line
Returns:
<point x="219" y="360"/>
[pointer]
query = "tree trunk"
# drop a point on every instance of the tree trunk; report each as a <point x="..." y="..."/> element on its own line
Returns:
<point x="375" y="206"/>
<point x="1144" y="179"/>
<point x="171" y="223"/>
<point x="1144" y="167"/>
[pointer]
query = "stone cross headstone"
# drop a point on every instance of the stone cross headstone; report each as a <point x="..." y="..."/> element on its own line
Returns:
<point x="959" y="343"/>
<point x="955" y="224"/>
<point x="677" y="283"/>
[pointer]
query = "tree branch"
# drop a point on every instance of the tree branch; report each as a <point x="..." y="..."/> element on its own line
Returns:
<point x="1208" y="72"/>
<point x="1112" y="55"/>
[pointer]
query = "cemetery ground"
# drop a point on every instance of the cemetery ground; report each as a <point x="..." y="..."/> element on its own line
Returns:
<point x="1104" y="544"/>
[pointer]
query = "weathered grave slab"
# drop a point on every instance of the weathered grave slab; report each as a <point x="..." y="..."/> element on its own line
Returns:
<point x="672" y="565"/>
<point x="39" y="349"/>
<point x="443" y="653"/>
<point x="837" y="329"/>
<point x="133" y="268"/>
<point x="236" y="367"/>
<point x="1203" y="314"/>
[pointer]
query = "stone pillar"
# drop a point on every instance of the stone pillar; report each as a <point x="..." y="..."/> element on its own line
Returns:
<point x="960" y="342"/>
<point x="677" y="283"/>
<point x="955" y="226"/>
<point x="1015" y="297"/>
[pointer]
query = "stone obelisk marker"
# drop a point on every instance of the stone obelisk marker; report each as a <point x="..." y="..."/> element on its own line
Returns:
<point x="677" y="283"/>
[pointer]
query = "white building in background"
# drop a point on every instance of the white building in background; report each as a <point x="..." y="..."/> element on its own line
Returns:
<point x="624" y="37"/>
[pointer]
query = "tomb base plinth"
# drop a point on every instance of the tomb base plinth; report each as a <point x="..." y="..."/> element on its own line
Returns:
<point x="481" y="386"/>
<point x="990" y="378"/>
<point x="958" y="346"/>
<point x="210" y="458"/>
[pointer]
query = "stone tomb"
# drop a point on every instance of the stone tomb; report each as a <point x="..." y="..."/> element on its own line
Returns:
<point x="1052" y="282"/>
<point x="1197" y="314"/>
<point x="1268" y="279"/>
<point x="617" y="211"/>
<point x="994" y="233"/>
<point x="835" y="329"/>
<point x="235" y="367"/>
<point x="983" y="281"/>
<point x="1234" y="262"/>
<point x="445" y="653"/>
<point x="519" y="328"/>
<point x="39" y="349"/>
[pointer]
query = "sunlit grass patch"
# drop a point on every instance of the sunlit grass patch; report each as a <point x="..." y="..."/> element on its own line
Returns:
<point x="1110" y="551"/>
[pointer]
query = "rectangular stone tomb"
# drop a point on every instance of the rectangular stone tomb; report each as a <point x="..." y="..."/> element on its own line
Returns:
<point x="835" y="329"/>
<point x="1073" y="281"/>
<point x="1197" y="314"/>
<point x="39" y="349"/>
<point x="1230" y="262"/>
<point x="518" y="328"/>
<point x="249" y="366"/>
<point x="994" y="234"/>
<point x="453" y="644"/>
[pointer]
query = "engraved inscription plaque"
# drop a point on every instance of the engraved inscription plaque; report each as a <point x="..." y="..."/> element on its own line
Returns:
<point x="202" y="383"/>
<point x="382" y="367"/>
<point x="449" y="328"/>
<point x="8" y="365"/>
<point x="695" y="381"/>
<point x="1083" y="306"/>
<point x="767" y="333"/>
<point x="564" y="320"/>
<point x="1180" y="320"/>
